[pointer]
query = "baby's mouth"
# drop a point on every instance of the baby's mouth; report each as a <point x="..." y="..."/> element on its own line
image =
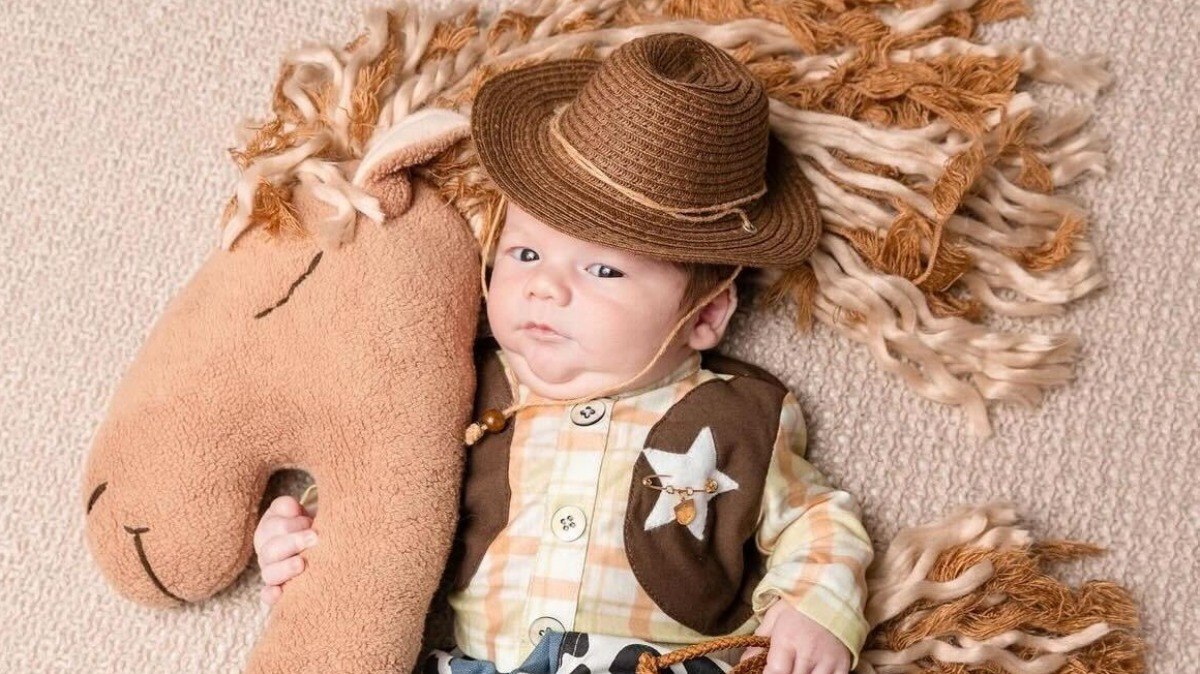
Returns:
<point x="542" y="331"/>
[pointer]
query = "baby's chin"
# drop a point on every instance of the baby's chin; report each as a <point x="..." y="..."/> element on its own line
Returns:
<point x="554" y="372"/>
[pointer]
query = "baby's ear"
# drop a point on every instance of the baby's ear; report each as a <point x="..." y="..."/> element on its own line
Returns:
<point x="384" y="171"/>
<point x="710" y="322"/>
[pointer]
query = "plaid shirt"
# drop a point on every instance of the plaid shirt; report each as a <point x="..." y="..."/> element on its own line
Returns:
<point x="534" y="577"/>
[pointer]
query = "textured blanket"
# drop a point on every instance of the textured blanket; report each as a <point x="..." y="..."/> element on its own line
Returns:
<point x="1133" y="438"/>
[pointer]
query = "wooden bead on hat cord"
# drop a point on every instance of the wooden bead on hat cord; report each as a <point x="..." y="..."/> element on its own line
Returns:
<point x="493" y="420"/>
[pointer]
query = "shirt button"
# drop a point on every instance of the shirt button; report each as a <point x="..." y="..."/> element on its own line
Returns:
<point x="539" y="627"/>
<point x="569" y="523"/>
<point x="586" y="414"/>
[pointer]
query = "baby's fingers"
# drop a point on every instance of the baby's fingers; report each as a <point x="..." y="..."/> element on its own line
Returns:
<point x="832" y="666"/>
<point x="780" y="657"/>
<point x="285" y="506"/>
<point x="286" y="545"/>
<point x="280" y="572"/>
<point x="273" y="526"/>
<point x="271" y="594"/>
<point x="804" y="664"/>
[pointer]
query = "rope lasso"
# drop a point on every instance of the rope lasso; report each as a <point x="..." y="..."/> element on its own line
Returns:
<point x="493" y="420"/>
<point x="648" y="663"/>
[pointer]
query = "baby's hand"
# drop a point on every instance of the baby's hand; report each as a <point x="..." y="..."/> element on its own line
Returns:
<point x="799" y="644"/>
<point x="284" y="530"/>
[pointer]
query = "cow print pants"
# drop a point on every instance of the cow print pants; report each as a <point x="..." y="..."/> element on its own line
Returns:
<point x="579" y="653"/>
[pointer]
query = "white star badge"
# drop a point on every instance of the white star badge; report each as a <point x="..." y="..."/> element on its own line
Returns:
<point x="693" y="469"/>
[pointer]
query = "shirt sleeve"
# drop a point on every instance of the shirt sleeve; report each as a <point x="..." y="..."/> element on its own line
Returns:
<point x="816" y="549"/>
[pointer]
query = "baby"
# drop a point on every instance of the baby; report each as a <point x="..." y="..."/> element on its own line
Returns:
<point x="628" y="489"/>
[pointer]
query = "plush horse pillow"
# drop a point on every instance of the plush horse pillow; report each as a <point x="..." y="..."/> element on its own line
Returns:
<point x="352" y="362"/>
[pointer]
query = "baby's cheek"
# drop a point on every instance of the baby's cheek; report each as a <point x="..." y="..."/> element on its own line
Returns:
<point x="500" y="302"/>
<point x="601" y="335"/>
<point x="630" y="346"/>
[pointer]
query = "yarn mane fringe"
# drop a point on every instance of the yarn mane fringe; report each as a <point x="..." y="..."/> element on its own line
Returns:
<point x="970" y="594"/>
<point x="935" y="174"/>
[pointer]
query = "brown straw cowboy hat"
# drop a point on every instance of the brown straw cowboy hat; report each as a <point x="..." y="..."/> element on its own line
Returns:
<point x="664" y="148"/>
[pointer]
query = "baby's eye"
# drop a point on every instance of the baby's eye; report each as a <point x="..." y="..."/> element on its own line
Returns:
<point x="606" y="271"/>
<point x="521" y="254"/>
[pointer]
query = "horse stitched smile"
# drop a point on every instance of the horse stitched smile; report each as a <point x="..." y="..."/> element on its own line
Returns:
<point x="137" y="544"/>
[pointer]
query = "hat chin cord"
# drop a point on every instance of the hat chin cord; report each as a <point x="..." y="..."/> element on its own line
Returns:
<point x="493" y="420"/>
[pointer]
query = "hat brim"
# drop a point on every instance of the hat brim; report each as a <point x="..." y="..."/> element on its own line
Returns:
<point x="509" y="126"/>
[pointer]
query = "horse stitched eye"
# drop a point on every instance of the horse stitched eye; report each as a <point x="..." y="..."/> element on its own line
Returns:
<point x="311" y="266"/>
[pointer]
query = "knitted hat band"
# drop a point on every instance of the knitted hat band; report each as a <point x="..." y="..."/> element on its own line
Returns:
<point x="664" y="148"/>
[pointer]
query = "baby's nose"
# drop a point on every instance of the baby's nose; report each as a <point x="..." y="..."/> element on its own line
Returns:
<point x="547" y="287"/>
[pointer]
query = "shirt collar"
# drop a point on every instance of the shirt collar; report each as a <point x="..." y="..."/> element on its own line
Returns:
<point x="686" y="368"/>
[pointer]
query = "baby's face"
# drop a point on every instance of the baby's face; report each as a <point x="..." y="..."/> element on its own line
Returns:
<point x="607" y="310"/>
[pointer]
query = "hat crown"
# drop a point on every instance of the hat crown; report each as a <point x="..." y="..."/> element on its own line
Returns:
<point x="675" y="117"/>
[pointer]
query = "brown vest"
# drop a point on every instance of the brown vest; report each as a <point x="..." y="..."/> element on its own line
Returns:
<point x="704" y="584"/>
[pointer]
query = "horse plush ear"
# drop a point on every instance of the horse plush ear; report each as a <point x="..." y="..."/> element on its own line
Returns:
<point x="385" y="171"/>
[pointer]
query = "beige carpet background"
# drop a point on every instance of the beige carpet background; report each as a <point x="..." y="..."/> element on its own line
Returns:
<point x="115" y="118"/>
